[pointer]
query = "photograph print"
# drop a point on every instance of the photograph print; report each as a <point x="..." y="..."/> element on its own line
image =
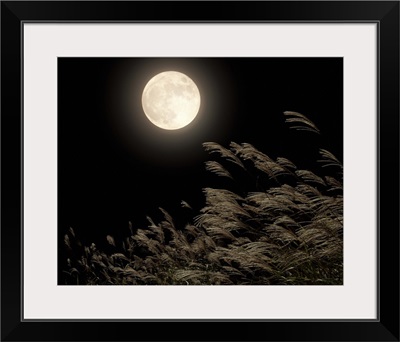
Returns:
<point x="200" y="171"/>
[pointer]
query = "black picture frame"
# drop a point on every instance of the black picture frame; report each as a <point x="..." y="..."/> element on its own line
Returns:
<point x="385" y="328"/>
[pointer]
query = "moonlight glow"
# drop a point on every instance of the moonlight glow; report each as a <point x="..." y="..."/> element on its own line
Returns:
<point x="171" y="100"/>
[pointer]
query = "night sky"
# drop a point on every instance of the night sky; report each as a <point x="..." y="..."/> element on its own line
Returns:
<point x="115" y="166"/>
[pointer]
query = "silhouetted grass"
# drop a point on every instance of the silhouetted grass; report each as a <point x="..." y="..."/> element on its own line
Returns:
<point x="289" y="231"/>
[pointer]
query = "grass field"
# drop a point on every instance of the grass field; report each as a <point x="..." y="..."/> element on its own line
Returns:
<point x="269" y="223"/>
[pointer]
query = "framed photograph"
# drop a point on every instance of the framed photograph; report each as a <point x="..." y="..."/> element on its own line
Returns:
<point x="198" y="170"/>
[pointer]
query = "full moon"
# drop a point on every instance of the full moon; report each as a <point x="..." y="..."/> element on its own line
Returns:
<point x="171" y="100"/>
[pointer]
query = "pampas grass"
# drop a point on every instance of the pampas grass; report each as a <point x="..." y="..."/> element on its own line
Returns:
<point x="289" y="231"/>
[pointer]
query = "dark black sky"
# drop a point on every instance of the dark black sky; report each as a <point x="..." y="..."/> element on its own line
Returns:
<point x="114" y="166"/>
